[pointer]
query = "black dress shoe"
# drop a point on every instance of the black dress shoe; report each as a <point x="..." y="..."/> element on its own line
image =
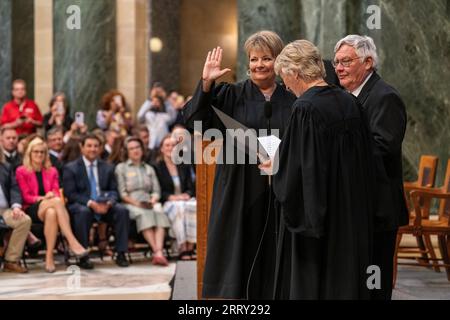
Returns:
<point x="121" y="260"/>
<point x="85" y="263"/>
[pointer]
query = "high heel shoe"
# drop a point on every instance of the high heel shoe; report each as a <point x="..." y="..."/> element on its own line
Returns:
<point x="35" y="245"/>
<point x="85" y="253"/>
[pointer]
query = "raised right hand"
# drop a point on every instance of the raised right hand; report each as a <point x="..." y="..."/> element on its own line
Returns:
<point x="212" y="68"/>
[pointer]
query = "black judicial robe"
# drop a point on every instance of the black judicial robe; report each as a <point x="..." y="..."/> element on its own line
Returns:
<point x="324" y="186"/>
<point x="239" y="207"/>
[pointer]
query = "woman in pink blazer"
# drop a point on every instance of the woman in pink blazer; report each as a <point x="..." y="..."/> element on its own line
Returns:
<point x="38" y="182"/>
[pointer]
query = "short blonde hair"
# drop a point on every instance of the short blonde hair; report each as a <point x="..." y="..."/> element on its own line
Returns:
<point x="301" y="58"/>
<point x="265" y="41"/>
<point x="27" y="163"/>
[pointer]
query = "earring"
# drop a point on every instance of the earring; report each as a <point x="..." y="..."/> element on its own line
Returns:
<point x="249" y="73"/>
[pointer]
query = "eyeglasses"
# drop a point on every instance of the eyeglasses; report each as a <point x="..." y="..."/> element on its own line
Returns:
<point x="38" y="151"/>
<point x="345" y="62"/>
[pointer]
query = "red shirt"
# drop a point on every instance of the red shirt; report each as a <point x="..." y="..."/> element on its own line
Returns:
<point x="11" y="113"/>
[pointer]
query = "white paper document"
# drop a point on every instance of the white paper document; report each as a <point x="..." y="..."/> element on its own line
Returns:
<point x="270" y="145"/>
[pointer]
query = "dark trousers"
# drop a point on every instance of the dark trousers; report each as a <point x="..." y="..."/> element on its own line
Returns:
<point x="383" y="257"/>
<point x="83" y="217"/>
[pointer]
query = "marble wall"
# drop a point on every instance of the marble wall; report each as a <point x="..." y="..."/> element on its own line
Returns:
<point x="165" y="25"/>
<point x="319" y="13"/>
<point x="283" y="17"/>
<point x="17" y="46"/>
<point x="414" y="48"/>
<point x="85" y="58"/>
<point x="5" y="51"/>
<point x="23" y="43"/>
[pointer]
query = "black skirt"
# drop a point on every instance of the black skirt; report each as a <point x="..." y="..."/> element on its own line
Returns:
<point x="32" y="211"/>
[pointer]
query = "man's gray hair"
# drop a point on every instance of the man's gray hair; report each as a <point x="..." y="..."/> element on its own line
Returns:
<point x="363" y="45"/>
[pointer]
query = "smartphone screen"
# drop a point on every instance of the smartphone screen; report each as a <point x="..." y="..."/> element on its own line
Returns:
<point x="60" y="108"/>
<point x="79" y="118"/>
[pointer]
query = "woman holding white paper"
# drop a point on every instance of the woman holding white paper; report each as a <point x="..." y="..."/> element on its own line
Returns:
<point x="240" y="259"/>
<point x="324" y="185"/>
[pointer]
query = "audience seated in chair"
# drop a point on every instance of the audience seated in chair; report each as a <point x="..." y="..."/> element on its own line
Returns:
<point x="38" y="183"/>
<point x="14" y="218"/>
<point x="91" y="190"/>
<point x="177" y="192"/>
<point x="140" y="191"/>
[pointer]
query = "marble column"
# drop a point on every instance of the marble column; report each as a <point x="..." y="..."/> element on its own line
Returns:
<point x="283" y="17"/>
<point x="23" y="43"/>
<point x="85" y="58"/>
<point x="5" y="51"/>
<point x="414" y="49"/>
<point x="132" y="51"/>
<point x="323" y="23"/>
<point x="43" y="53"/>
<point x="165" y="25"/>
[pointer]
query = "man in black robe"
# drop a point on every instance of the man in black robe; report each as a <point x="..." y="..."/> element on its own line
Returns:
<point x="355" y="63"/>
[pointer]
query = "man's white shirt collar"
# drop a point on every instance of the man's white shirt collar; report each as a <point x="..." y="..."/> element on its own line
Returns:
<point x="358" y="90"/>
<point x="9" y="154"/>
<point x="52" y="152"/>
<point x="88" y="163"/>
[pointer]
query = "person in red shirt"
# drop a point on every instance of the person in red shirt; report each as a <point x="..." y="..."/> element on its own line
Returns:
<point x="21" y="113"/>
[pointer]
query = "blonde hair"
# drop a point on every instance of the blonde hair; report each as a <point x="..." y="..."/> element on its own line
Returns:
<point x="301" y="58"/>
<point x="265" y="41"/>
<point x="27" y="163"/>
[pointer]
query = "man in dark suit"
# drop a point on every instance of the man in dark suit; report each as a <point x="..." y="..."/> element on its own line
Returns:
<point x="9" y="141"/>
<point x="55" y="143"/>
<point x="355" y="64"/>
<point x="91" y="189"/>
<point x="14" y="217"/>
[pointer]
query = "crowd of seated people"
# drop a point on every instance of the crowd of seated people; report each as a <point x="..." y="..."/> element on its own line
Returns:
<point x="74" y="181"/>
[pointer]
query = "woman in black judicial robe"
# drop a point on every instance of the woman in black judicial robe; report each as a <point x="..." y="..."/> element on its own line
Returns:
<point x="239" y="207"/>
<point x="323" y="185"/>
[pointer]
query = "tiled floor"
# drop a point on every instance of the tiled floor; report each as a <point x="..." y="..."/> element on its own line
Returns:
<point x="419" y="283"/>
<point x="142" y="281"/>
<point x="107" y="281"/>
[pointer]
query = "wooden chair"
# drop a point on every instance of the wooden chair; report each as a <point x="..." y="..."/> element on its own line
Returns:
<point x="426" y="179"/>
<point x="427" y="173"/>
<point x="425" y="227"/>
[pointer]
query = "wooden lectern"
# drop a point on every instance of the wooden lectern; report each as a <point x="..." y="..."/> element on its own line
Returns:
<point x="204" y="188"/>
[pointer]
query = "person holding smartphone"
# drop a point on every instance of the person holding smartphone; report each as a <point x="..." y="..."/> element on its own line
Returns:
<point x="77" y="128"/>
<point x="58" y="115"/>
<point x="114" y="113"/>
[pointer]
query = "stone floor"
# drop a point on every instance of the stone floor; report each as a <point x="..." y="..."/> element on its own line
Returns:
<point x="419" y="283"/>
<point x="140" y="281"/>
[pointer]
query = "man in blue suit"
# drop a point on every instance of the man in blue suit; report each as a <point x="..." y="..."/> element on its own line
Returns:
<point x="91" y="189"/>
